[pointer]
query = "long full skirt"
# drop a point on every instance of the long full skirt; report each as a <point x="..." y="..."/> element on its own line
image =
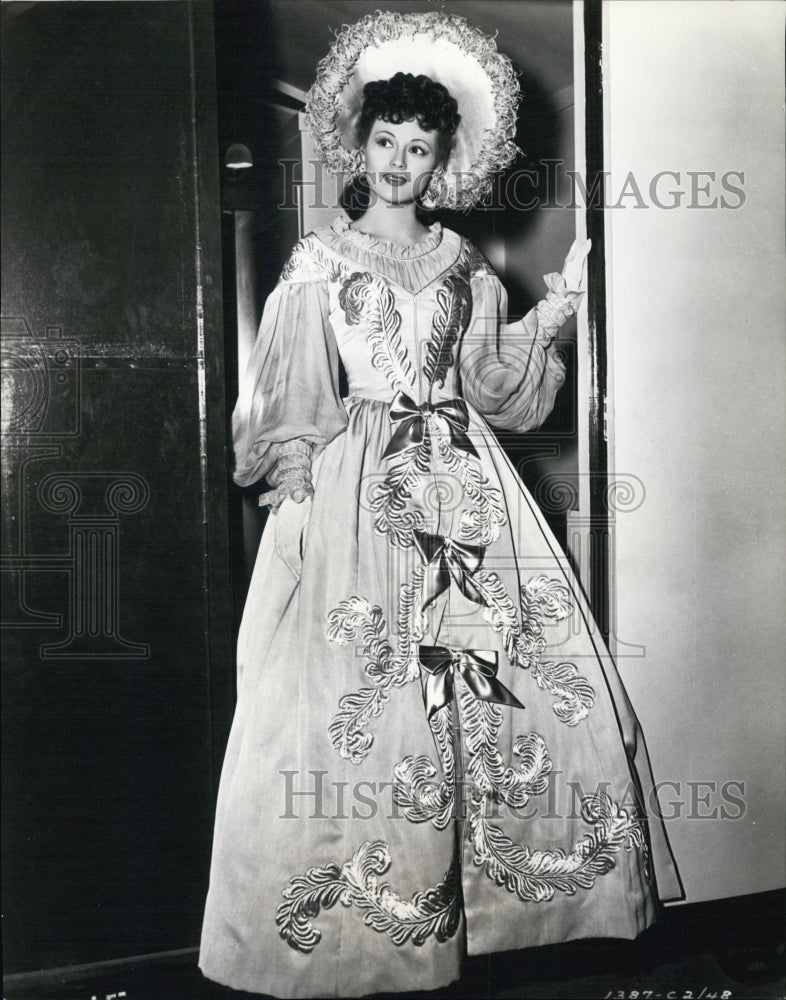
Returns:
<point x="432" y="751"/>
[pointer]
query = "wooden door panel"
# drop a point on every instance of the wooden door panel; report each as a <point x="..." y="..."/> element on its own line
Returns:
<point x="115" y="578"/>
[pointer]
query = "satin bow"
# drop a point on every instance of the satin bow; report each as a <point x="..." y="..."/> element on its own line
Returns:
<point x="412" y="421"/>
<point x="478" y="670"/>
<point x="448" y="560"/>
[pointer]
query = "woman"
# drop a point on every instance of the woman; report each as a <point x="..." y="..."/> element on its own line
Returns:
<point x="388" y="802"/>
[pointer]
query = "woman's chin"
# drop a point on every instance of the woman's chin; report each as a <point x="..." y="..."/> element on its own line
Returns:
<point x="405" y="194"/>
<point x="395" y="198"/>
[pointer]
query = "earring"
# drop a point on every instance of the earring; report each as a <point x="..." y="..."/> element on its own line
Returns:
<point x="432" y="196"/>
<point x="357" y="169"/>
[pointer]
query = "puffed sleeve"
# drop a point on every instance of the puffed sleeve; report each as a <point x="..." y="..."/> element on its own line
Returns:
<point x="510" y="373"/>
<point x="290" y="388"/>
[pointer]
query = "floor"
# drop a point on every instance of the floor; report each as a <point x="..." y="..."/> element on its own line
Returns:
<point x="725" y="950"/>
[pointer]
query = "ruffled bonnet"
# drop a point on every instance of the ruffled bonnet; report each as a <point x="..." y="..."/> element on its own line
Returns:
<point x="450" y="51"/>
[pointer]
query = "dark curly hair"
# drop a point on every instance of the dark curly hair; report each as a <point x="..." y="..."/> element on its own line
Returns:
<point x="404" y="97"/>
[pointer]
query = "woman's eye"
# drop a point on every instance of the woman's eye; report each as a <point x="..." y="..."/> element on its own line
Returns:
<point x="384" y="141"/>
<point x="419" y="150"/>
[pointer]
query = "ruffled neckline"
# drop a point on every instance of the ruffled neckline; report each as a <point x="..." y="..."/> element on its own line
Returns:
<point x="412" y="267"/>
<point x="387" y="248"/>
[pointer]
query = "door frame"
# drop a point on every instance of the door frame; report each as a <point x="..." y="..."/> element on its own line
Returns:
<point x="590" y="528"/>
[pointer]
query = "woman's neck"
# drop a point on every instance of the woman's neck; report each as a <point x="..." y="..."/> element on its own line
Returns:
<point x="393" y="223"/>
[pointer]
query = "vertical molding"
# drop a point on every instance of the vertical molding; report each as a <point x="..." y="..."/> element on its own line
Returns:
<point x="578" y="519"/>
<point x="217" y="581"/>
<point x="598" y="456"/>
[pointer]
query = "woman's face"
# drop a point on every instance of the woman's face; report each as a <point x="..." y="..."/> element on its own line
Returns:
<point x="400" y="160"/>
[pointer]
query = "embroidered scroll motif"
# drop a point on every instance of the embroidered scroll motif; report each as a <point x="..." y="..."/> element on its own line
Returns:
<point x="453" y="313"/>
<point x="477" y="264"/>
<point x="416" y="790"/>
<point x="543" y="601"/>
<point x="364" y="296"/>
<point x="433" y="912"/>
<point x="535" y="876"/>
<point x="423" y="798"/>
<point x="532" y="875"/>
<point x="309" y="262"/>
<point x="356" y="616"/>
<point x="490" y="775"/>
<point x="483" y="524"/>
<point x="454" y="306"/>
<point x="389" y="499"/>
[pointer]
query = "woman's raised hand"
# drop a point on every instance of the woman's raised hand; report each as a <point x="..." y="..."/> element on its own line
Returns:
<point x="565" y="292"/>
<point x="574" y="269"/>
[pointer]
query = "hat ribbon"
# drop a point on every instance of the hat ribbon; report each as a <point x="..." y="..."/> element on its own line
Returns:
<point x="476" y="667"/>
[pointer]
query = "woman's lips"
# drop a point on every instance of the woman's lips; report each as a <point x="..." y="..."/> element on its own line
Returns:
<point x="395" y="180"/>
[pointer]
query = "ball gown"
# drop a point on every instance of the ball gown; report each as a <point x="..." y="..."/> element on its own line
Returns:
<point x="432" y="752"/>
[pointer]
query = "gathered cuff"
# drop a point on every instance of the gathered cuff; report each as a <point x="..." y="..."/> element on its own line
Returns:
<point x="558" y="306"/>
<point x="291" y="473"/>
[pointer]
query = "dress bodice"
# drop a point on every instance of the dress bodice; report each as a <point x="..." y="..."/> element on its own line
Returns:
<point x="397" y="312"/>
<point x="427" y="321"/>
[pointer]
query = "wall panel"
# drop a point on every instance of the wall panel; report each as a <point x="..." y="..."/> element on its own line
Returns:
<point x="696" y="324"/>
<point x="115" y="579"/>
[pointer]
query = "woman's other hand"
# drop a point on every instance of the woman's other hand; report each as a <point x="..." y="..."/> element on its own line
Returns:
<point x="290" y="526"/>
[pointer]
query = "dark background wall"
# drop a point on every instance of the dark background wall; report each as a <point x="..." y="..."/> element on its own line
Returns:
<point x="117" y="656"/>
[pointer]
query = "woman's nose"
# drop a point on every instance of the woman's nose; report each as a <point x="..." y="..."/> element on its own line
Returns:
<point x="397" y="158"/>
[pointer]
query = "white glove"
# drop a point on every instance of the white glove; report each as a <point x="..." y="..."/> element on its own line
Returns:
<point x="565" y="291"/>
<point x="575" y="266"/>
